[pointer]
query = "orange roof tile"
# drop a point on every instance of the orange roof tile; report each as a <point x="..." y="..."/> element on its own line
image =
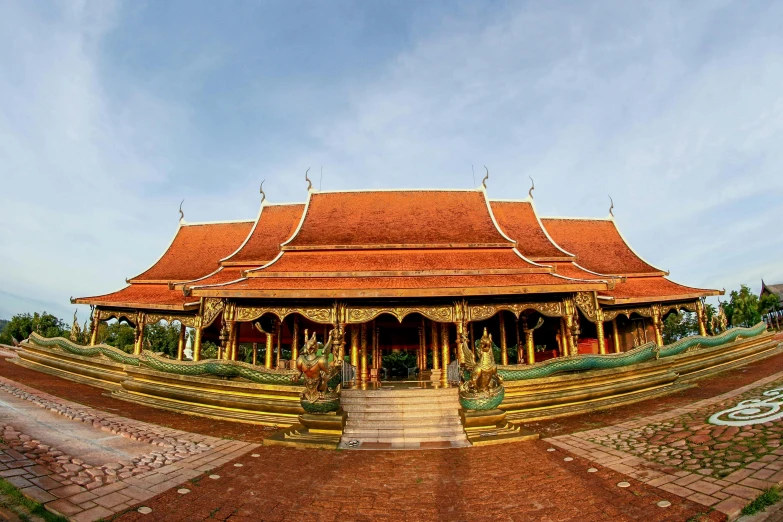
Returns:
<point x="420" y="260"/>
<point x="598" y="245"/>
<point x="653" y="289"/>
<point x="384" y="286"/>
<point x="519" y="221"/>
<point x="154" y="296"/>
<point x="195" y="251"/>
<point x="275" y="224"/>
<point x="397" y="217"/>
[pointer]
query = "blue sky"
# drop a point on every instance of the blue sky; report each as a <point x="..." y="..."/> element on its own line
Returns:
<point x="112" y="112"/>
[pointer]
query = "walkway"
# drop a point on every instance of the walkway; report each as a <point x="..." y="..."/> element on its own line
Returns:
<point x="231" y="480"/>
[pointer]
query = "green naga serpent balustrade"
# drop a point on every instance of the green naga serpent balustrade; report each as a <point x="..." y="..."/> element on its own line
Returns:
<point x="641" y="354"/>
<point x="219" y="368"/>
<point x="110" y="352"/>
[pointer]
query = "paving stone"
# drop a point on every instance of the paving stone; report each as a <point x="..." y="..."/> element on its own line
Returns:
<point x="91" y="515"/>
<point x="111" y="500"/>
<point x="63" y="508"/>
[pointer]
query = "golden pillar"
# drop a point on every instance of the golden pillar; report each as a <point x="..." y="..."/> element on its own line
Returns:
<point x="96" y="322"/>
<point x="364" y="374"/>
<point x="376" y="354"/>
<point x="503" y="344"/>
<point x="279" y="335"/>
<point x="355" y="348"/>
<point x="181" y="341"/>
<point x="599" y="331"/>
<point x="444" y="341"/>
<point x="700" y="316"/>
<point x="530" y="346"/>
<point x="435" y="346"/>
<point x="234" y="329"/>
<point x="255" y="353"/>
<point x="520" y="351"/>
<point x="197" y="341"/>
<point x="139" y="341"/>
<point x="563" y="338"/>
<point x="615" y="336"/>
<point x="571" y="326"/>
<point x="295" y="339"/>
<point x="472" y="340"/>
<point x="270" y="346"/>
<point x="657" y="325"/>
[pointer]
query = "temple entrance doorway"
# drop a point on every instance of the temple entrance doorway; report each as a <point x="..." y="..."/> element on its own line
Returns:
<point x="399" y="348"/>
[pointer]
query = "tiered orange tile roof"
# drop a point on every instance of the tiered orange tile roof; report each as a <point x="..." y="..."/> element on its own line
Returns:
<point x="275" y="224"/>
<point x="518" y="219"/>
<point x="143" y="295"/>
<point x="195" y="251"/>
<point x="652" y="289"/>
<point x="601" y="251"/>
<point x="598" y="246"/>
<point x="398" y="243"/>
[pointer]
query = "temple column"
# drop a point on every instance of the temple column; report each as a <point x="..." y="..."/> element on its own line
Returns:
<point x="563" y="338"/>
<point x="420" y="351"/>
<point x="503" y="344"/>
<point x="571" y="326"/>
<point x="295" y="339"/>
<point x="377" y="359"/>
<point x="232" y="340"/>
<point x="197" y="341"/>
<point x="435" y="346"/>
<point x="615" y="336"/>
<point x="520" y="351"/>
<point x="355" y="349"/>
<point x="472" y="340"/>
<point x="599" y="329"/>
<point x="96" y="322"/>
<point x="657" y="325"/>
<point x="181" y="342"/>
<point x="700" y="317"/>
<point x="363" y="374"/>
<point x="270" y="346"/>
<point x="530" y="346"/>
<point x="255" y="353"/>
<point x="279" y="348"/>
<point x="444" y="341"/>
<point x="139" y="341"/>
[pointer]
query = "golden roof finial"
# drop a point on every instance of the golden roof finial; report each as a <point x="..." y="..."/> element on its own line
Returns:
<point x="307" y="179"/>
<point x="532" y="187"/>
<point x="484" y="181"/>
<point x="611" y="207"/>
<point x="263" y="194"/>
<point x="181" y="214"/>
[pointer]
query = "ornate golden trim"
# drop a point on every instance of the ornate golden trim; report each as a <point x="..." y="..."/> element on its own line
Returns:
<point x="186" y="320"/>
<point x="480" y="312"/>
<point x="645" y="311"/>
<point x="104" y="314"/>
<point x="320" y="315"/>
<point x="588" y="304"/>
<point x="213" y="306"/>
<point x="437" y="313"/>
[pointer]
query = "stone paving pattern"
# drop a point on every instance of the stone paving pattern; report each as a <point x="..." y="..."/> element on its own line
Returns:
<point x="70" y="487"/>
<point x="717" y="466"/>
<point x="508" y="482"/>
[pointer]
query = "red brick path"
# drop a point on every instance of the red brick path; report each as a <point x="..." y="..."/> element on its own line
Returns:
<point x="500" y="483"/>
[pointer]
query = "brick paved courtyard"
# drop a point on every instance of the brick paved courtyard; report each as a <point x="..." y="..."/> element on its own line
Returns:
<point x="574" y="476"/>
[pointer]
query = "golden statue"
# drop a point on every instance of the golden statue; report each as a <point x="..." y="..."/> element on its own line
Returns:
<point x="76" y="331"/>
<point x="321" y="376"/>
<point x="483" y="389"/>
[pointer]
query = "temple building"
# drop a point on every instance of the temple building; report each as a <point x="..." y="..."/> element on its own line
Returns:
<point x="403" y="271"/>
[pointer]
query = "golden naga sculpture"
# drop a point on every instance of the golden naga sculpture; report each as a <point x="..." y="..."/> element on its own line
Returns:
<point x="481" y="387"/>
<point x="719" y="322"/>
<point x="321" y="376"/>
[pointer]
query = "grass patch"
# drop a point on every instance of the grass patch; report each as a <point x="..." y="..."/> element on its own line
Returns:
<point x="767" y="498"/>
<point x="32" y="507"/>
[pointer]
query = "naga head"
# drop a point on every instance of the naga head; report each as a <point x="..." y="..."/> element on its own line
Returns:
<point x="310" y="343"/>
<point x="485" y="344"/>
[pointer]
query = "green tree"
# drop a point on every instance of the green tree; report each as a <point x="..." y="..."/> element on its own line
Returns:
<point x="679" y="325"/>
<point x="120" y="335"/>
<point x="743" y="308"/>
<point x="22" y="325"/>
<point x="162" y="337"/>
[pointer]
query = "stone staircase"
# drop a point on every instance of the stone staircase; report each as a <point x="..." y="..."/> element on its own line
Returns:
<point x="402" y="417"/>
